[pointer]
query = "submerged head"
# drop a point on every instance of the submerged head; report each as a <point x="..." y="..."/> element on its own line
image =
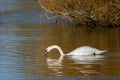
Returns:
<point x="53" y="47"/>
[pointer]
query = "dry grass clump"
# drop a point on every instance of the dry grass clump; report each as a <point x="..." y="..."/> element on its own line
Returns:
<point x="98" y="12"/>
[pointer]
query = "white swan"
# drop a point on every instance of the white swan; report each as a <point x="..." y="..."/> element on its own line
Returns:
<point x="84" y="50"/>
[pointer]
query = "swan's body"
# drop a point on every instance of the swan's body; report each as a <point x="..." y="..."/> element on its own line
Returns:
<point x="84" y="50"/>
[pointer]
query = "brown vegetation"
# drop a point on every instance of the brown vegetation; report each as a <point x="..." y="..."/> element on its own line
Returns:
<point x="98" y="12"/>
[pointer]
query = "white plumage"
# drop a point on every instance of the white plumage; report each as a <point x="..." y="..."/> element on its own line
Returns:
<point x="84" y="50"/>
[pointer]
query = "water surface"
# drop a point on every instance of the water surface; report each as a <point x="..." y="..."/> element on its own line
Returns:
<point x="22" y="48"/>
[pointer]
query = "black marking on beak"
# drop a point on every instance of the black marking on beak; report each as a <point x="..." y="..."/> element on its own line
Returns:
<point x="45" y="53"/>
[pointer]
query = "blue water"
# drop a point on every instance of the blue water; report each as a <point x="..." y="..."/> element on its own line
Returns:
<point x="23" y="12"/>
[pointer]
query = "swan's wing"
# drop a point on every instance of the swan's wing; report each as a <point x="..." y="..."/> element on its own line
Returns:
<point x="85" y="50"/>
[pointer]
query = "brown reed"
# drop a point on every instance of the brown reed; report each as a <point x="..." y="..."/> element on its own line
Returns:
<point x="98" y="12"/>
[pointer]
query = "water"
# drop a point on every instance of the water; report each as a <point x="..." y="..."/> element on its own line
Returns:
<point x="24" y="37"/>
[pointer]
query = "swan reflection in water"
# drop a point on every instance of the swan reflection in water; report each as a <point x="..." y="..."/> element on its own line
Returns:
<point x="83" y="65"/>
<point x="55" y="65"/>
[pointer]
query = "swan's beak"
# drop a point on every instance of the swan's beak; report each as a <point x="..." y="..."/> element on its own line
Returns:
<point x="45" y="53"/>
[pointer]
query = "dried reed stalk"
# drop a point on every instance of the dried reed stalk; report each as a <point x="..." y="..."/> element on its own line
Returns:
<point x="98" y="12"/>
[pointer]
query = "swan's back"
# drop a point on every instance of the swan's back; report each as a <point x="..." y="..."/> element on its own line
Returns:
<point x="85" y="50"/>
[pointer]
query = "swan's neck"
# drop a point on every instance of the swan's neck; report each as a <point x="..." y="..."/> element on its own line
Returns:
<point x="60" y="50"/>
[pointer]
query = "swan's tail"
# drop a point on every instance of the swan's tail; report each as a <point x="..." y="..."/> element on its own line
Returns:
<point x="101" y="51"/>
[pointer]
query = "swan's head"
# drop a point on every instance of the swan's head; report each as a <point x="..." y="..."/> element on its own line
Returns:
<point x="51" y="48"/>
